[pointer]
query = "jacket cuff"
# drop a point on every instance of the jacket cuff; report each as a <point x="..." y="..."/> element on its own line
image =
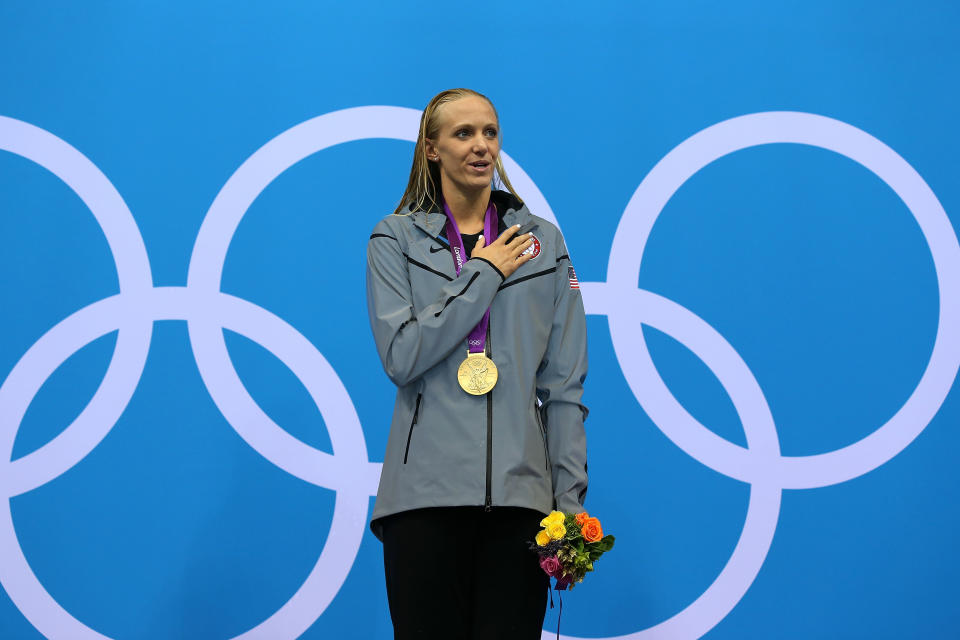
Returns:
<point x="565" y="413"/>
<point x="568" y="503"/>
<point x="499" y="273"/>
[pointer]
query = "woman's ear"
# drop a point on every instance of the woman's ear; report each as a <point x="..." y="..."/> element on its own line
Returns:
<point x="431" y="149"/>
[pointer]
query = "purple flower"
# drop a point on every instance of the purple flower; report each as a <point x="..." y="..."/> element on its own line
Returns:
<point x="550" y="565"/>
<point x="549" y="549"/>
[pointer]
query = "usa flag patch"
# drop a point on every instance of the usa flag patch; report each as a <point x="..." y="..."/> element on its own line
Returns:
<point x="572" y="276"/>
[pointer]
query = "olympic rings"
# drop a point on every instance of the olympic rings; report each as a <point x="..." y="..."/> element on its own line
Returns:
<point x="348" y="471"/>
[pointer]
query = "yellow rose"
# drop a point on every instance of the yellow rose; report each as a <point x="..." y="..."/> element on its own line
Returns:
<point x="542" y="537"/>
<point x="556" y="530"/>
<point x="555" y="517"/>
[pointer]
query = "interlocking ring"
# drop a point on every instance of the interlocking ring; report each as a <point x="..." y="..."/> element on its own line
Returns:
<point x="760" y="464"/>
<point x="207" y="312"/>
<point x="349" y="471"/>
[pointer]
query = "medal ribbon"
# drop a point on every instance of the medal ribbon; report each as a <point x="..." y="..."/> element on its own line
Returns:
<point x="477" y="338"/>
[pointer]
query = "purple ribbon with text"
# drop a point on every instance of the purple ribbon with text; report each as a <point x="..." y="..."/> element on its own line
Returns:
<point x="477" y="339"/>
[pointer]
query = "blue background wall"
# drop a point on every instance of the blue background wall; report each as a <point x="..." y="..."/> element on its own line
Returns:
<point x="804" y="261"/>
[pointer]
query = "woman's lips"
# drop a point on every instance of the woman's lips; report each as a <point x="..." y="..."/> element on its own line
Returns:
<point x="480" y="167"/>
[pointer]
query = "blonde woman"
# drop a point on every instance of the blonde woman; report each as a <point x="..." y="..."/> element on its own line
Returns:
<point x="477" y="315"/>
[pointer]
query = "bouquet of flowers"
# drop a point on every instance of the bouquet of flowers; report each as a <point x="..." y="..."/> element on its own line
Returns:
<point x="568" y="545"/>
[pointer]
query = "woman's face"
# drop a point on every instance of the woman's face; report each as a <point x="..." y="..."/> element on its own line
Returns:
<point x="467" y="144"/>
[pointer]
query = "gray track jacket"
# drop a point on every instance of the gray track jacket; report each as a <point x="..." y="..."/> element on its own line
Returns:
<point x="447" y="447"/>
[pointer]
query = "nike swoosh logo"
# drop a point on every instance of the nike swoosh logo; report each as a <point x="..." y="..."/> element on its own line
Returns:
<point x="435" y="249"/>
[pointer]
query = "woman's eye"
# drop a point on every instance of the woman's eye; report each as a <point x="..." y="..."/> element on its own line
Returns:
<point x="463" y="133"/>
<point x="491" y="133"/>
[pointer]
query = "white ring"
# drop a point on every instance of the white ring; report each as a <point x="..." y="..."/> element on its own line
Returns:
<point x="55" y="346"/>
<point x="208" y="312"/>
<point x="794" y="472"/>
<point x="747" y="558"/>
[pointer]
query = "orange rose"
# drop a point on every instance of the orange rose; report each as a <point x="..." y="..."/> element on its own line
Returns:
<point x="591" y="530"/>
<point x="581" y="518"/>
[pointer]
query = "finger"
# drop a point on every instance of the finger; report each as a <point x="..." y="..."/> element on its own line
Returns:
<point x="517" y="240"/>
<point x="506" y="234"/>
<point x="523" y="258"/>
<point x="521" y="247"/>
<point x="477" y="246"/>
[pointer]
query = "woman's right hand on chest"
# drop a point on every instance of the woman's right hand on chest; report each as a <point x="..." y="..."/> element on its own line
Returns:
<point x="505" y="256"/>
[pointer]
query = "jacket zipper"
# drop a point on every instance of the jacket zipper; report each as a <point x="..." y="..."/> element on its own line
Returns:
<point x="488" y="501"/>
<point x="416" y="413"/>
<point x="543" y="435"/>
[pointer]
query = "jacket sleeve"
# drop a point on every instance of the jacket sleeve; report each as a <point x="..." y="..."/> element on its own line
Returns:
<point x="409" y="342"/>
<point x="560" y="388"/>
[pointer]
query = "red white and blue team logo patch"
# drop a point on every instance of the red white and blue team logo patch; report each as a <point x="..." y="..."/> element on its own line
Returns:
<point x="533" y="248"/>
<point x="572" y="276"/>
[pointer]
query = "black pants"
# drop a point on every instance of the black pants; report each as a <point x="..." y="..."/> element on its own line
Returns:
<point x="462" y="573"/>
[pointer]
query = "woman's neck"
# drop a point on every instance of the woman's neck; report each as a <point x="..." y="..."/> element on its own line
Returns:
<point x="468" y="209"/>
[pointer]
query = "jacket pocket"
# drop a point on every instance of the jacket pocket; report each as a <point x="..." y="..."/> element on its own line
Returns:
<point x="543" y="435"/>
<point x="413" y="423"/>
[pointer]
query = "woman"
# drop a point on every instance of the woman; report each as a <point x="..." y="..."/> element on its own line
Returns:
<point x="472" y="463"/>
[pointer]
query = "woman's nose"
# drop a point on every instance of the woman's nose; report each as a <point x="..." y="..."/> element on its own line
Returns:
<point x="480" y="146"/>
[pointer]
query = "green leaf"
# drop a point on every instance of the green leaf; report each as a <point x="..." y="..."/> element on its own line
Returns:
<point x="606" y="543"/>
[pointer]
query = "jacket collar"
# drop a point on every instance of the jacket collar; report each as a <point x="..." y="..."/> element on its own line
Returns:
<point x="510" y="209"/>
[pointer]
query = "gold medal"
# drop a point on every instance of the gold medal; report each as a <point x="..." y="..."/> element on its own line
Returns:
<point x="477" y="374"/>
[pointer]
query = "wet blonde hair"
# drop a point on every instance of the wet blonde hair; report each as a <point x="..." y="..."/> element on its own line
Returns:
<point x="423" y="188"/>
